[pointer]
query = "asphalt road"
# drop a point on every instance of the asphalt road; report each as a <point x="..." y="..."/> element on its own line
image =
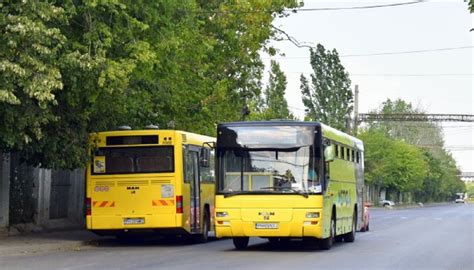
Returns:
<point x="438" y="237"/>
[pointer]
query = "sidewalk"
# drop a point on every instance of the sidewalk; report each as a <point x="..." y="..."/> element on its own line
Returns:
<point x="407" y="206"/>
<point x="43" y="242"/>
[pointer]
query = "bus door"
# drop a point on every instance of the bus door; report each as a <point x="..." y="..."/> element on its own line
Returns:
<point x="192" y="161"/>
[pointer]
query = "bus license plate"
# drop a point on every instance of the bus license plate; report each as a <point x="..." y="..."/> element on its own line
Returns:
<point x="266" y="225"/>
<point x="133" y="221"/>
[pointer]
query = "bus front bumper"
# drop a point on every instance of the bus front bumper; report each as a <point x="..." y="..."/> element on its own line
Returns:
<point x="118" y="222"/>
<point x="239" y="228"/>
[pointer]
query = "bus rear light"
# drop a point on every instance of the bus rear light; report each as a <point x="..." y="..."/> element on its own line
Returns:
<point x="312" y="222"/>
<point x="179" y="204"/>
<point x="222" y="222"/>
<point x="88" y="206"/>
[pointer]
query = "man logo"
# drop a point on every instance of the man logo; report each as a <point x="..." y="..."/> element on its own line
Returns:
<point x="133" y="188"/>
<point x="266" y="215"/>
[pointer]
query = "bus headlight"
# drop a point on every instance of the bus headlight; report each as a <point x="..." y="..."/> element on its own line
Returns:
<point x="222" y="214"/>
<point x="312" y="214"/>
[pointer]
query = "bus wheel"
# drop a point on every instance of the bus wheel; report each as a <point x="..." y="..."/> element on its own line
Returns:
<point x="240" y="243"/>
<point x="326" y="243"/>
<point x="350" y="237"/>
<point x="204" y="236"/>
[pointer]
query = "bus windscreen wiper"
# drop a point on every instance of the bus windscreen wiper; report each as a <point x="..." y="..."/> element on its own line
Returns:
<point x="242" y="192"/>
<point x="297" y="191"/>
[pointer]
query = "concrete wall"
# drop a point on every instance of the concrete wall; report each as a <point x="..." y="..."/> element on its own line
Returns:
<point x="4" y="190"/>
<point x="55" y="198"/>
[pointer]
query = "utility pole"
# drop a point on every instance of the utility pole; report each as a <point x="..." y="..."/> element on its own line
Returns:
<point x="356" y="109"/>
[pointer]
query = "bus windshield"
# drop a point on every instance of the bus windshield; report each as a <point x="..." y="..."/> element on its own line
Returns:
<point x="265" y="136"/>
<point x="269" y="170"/>
<point x="120" y="160"/>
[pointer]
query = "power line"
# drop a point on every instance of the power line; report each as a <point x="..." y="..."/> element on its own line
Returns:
<point x="415" y="117"/>
<point x="413" y="75"/>
<point x="357" y="7"/>
<point x="397" y="75"/>
<point x="296" y="10"/>
<point x="408" y="52"/>
<point x="382" y="53"/>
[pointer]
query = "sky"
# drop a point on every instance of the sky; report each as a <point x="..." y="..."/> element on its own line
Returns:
<point x="437" y="81"/>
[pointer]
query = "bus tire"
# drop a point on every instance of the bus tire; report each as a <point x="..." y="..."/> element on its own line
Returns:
<point x="350" y="236"/>
<point x="204" y="236"/>
<point x="240" y="243"/>
<point x="326" y="244"/>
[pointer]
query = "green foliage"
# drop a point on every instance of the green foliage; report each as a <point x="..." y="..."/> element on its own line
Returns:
<point x="393" y="142"/>
<point x="74" y="67"/>
<point x="392" y="164"/>
<point x="30" y="48"/>
<point x="274" y="105"/>
<point x="329" y="98"/>
<point x="416" y="133"/>
<point x="470" y="190"/>
<point x="441" y="183"/>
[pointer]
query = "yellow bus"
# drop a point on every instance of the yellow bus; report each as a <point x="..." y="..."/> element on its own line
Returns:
<point x="287" y="179"/>
<point x="157" y="181"/>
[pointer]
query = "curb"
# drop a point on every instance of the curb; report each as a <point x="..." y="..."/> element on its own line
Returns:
<point x="410" y="206"/>
<point x="38" y="243"/>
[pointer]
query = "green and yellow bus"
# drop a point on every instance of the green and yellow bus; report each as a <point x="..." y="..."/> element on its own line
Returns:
<point x="287" y="179"/>
<point x="158" y="181"/>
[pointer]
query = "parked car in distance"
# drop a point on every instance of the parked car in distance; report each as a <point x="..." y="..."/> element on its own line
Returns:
<point x="386" y="203"/>
<point x="366" y="218"/>
<point x="459" y="200"/>
<point x="460" y="197"/>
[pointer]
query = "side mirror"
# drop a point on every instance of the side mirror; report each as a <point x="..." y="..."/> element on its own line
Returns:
<point x="329" y="153"/>
<point x="204" y="157"/>
<point x="211" y="145"/>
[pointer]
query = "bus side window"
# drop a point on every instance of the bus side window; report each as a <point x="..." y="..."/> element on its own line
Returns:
<point x="342" y="152"/>
<point x="325" y="179"/>
<point x="352" y="156"/>
<point x="188" y="166"/>
<point x="348" y="157"/>
<point x="336" y="150"/>
<point x="207" y="172"/>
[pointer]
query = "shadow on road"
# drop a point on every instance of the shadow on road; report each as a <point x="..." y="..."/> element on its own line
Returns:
<point x="141" y="241"/>
<point x="286" y="246"/>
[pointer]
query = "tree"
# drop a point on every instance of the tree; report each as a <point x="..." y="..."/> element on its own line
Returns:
<point x="104" y="63"/>
<point x="30" y="49"/>
<point x="419" y="133"/>
<point x="440" y="181"/>
<point x="329" y="98"/>
<point x="392" y="164"/>
<point x="274" y="104"/>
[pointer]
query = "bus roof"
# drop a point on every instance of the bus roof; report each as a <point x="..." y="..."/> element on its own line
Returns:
<point x="283" y="122"/>
<point x="329" y="132"/>
<point x="188" y="137"/>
